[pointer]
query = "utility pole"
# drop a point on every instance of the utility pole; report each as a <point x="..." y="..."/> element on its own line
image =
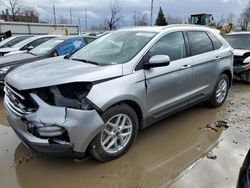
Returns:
<point x="151" y="18"/>
<point x="79" y="25"/>
<point x="135" y="18"/>
<point x="70" y="11"/>
<point x="86" y="20"/>
<point x="54" y="13"/>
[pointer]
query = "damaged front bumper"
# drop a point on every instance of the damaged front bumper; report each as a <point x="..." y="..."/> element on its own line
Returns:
<point x="242" y="73"/>
<point x="53" y="130"/>
<point x="242" y="68"/>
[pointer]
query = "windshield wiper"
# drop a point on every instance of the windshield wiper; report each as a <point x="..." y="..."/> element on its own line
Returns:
<point x="86" y="61"/>
<point x="31" y="53"/>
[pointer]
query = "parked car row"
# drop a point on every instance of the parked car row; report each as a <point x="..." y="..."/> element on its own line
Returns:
<point x="51" y="47"/>
<point x="98" y="98"/>
<point x="9" y="42"/>
<point x="25" y="45"/>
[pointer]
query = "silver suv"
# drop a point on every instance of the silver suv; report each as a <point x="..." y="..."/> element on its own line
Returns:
<point x="97" y="99"/>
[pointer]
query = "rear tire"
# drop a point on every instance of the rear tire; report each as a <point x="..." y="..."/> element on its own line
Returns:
<point x="121" y="128"/>
<point x="220" y="92"/>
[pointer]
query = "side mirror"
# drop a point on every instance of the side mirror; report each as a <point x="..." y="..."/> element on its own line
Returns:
<point x="30" y="48"/>
<point x="54" y="54"/>
<point x="247" y="60"/>
<point x="157" y="61"/>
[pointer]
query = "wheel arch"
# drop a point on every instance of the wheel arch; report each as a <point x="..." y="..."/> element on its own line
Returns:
<point x="136" y="107"/>
<point x="230" y="76"/>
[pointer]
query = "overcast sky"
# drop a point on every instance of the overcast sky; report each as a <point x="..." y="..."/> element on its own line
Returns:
<point x="97" y="10"/>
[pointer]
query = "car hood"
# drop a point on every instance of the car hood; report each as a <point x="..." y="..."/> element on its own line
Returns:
<point x="240" y="52"/>
<point x="6" y="50"/>
<point x="13" y="59"/>
<point x="56" y="71"/>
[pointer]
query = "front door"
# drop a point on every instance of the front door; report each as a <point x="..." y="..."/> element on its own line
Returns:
<point x="168" y="87"/>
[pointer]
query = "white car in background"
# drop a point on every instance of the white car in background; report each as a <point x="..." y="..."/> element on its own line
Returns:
<point x="25" y="45"/>
<point x="240" y="41"/>
<point x="11" y="41"/>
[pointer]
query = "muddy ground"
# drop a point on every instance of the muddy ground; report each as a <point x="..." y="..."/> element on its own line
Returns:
<point x="171" y="153"/>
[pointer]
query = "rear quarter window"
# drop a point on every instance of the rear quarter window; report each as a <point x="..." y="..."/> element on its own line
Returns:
<point x="216" y="43"/>
<point x="199" y="42"/>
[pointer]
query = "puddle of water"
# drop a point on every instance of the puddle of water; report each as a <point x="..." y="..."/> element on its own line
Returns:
<point x="162" y="153"/>
<point x="159" y="155"/>
<point x="231" y="152"/>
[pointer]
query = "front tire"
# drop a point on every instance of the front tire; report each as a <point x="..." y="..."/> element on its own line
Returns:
<point x="119" y="133"/>
<point x="220" y="92"/>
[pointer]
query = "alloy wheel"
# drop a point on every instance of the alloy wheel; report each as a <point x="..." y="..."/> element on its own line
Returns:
<point x="117" y="133"/>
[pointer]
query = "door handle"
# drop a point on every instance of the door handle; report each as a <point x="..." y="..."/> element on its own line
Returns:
<point x="217" y="58"/>
<point x="185" y="66"/>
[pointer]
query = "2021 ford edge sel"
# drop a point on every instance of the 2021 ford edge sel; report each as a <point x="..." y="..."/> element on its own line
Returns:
<point x="97" y="99"/>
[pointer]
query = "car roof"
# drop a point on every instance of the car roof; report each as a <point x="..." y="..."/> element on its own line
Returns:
<point x="43" y="36"/>
<point x="163" y="28"/>
<point x="68" y="37"/>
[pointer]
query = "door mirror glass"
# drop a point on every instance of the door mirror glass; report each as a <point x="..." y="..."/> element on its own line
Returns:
<point x="157" y="61"/>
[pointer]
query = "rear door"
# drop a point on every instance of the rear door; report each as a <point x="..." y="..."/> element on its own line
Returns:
<point x="168" y="87"/>
<point x="204" y="61"/>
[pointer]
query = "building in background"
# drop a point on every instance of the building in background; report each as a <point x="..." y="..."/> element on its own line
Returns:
<point x="26" y="28"/>
<point x="28" y="16"/>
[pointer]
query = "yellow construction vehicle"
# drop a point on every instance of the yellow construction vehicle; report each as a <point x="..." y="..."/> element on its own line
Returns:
<point x="208" y="20"/>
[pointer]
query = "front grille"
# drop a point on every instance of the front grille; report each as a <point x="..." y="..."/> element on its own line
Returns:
<point x="18" y="103"/>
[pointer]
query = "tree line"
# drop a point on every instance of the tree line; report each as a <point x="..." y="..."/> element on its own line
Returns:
<point x="113" y="21"/>
<point x="15" y="8"/>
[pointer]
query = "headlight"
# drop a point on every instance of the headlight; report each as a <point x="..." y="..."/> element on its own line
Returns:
<point x="4" y="70"/>
<point x="71" y="95"/>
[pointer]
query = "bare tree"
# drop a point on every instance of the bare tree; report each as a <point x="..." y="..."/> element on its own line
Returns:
<point x="221" y="21"/>
<point x="144" y="20"/>
<point x="230" y="17"/>
<point x="113" y="21"/>
<point x="245" y="18"/>
<point x="140" y="19"/>
<point x="174" y="20"/>
<point x="62" y="20"/>
<point x="29" y="12"/>
<point x="15" y="7"/>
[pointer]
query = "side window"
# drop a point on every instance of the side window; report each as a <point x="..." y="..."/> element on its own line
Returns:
<point x="15" y="41"/>
<point x="199" y="42"/>
<point x="217" y="44"/>
<point x="172" y="44"/>
<point x="35" y="43"/>
<point x="39" y="41"/>
<point x="70" y="46"/>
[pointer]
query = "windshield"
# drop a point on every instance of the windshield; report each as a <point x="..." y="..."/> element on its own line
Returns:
<point x="24" y="42"/>
<point x="16" y="40"/>
<point x="46" y="47"/>
<point x="6" y="40"/>
<point x="239" y="41"/>
<point x="115" y="48"/>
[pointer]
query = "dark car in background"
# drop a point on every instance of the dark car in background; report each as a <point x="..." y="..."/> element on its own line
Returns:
<point x="55" y="47"/>
<point x="13" y="40"/>
<point x="240" y="41"/>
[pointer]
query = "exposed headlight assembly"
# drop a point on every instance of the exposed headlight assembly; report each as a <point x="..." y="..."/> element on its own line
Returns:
<point x="68" y="95"/>
<point x="4" y="70"/>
